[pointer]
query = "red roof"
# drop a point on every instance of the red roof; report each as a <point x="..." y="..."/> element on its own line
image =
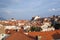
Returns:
<point x="46" y="35"/>
<point x="50" y="35"/>
<point x="19" y="36"/>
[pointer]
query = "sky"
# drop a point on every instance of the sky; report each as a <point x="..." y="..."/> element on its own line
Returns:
<point x="25" y="9"/>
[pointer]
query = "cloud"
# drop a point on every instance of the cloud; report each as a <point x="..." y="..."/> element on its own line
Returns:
<point x="6" y="3"/>
<point x="8" y="12"/>
<point x="24" y="8"/>
<point x="53" y="9"/>
<point x="16" y="1"/>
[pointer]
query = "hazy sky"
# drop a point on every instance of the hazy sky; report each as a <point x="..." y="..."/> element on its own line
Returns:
<point x="25" y="9"/>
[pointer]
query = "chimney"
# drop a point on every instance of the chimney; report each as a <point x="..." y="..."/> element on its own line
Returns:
<point x="38" y="37"/>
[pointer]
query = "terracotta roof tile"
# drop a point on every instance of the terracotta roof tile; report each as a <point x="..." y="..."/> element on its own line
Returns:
<point x="46" y="35"/>
<point x="19" y="36"/>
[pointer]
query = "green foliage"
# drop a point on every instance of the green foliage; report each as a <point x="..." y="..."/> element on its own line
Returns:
<point x="32" y="28"/>
<point x="35" y="28"/>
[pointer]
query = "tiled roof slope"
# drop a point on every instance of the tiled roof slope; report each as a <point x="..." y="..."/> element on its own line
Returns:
<point x="49" y="35"/>
<point x="46" y="35"/>
<point x="19" y="36"/>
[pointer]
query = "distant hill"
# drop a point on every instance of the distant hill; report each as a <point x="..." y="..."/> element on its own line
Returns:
<point x="1" y="18"/>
